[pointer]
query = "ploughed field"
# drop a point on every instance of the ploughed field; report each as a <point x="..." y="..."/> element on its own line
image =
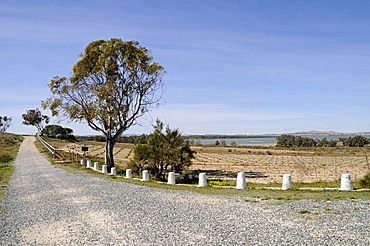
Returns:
<point x="261" y="164"/>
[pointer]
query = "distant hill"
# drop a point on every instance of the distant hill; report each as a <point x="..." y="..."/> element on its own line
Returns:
<point x="317" y="133"/>
<point x="270" y="135"/>
<point x="327" y="133"/>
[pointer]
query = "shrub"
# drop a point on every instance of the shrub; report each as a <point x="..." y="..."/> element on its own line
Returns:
<point x="304" y="212"/>
<point x="165" y="150"/>
<point x="187" y="179"/>
<point x="4" y="158"/>
<point x="221" y="183"/>
<point x="365" y="181"/>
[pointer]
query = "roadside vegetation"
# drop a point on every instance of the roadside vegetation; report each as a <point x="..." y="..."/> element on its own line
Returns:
<point x="9" y="146"/>
<point x="163" y="151"/>
<point x="255" y="192"/>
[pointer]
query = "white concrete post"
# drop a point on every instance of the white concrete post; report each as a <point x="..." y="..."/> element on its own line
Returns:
<point x="346" y="182"/>
<point x="89" y="163"/>
<point x="202" y="180"/>
<point x="145" y="176"/>
<point x="96" y="166"/>
<point x="171" y="178"/>
<point x="113" y="171"/>
<point x="240" y="181"/>
<point x="287" y="182"/>
<point x="82" y="162"/>
<point x="104" y="169"/>
<point x="128" y="174"/>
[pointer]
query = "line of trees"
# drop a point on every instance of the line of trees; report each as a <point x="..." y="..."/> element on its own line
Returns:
<point x="357" y="141"/>
<point x="298" y="141"/>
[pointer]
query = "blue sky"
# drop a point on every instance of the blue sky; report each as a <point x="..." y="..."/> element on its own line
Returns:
<point x="233" y="67"/>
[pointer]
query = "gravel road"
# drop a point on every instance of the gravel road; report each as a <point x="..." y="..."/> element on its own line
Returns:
<point x="46" y="205"/>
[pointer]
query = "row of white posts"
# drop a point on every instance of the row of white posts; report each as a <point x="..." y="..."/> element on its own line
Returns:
<point x="346" y="182"/>
<point x="96" y="167"/>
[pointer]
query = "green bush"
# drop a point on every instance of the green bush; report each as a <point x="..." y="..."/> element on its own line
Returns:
<point x="164" y="151"/>
<point x="9" y="144"/>
<point x="221" y="183"/>
<point x="365" y="182"/>
<point x="304" y="212"/>
<point x="187" y="179"/>
<point x="5" y="158"/>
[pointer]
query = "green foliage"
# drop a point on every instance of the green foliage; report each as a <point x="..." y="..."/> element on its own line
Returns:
<point x="298" y="141"/>
<point x="9" y="144"/>
<point x="8" y="140"/>
<point x="286" y="141"/>
<point x="325" y="143"/>
<point x="221" y="183"/>
<point x="357" y="141"/>
<point x="112" y="85"/>
<point x="5" y="123"/>
<point x="304" y="212"/>
<point x="187" y="179"/>
<point x="121" y="139"/>
<point x="57" y="131"/>
<point x="5" y="157"/>
<point x="34" y="117"/>
<point x="365" y="181"/>
<point x="164" y="151"/>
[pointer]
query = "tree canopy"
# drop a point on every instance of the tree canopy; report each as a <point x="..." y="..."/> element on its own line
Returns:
<point x="34" y="117"/>
<point x="57" y="131"/>
<point x="357" y="141"/>
<point x="112" y="85"/>
<point x="5" y="122"/>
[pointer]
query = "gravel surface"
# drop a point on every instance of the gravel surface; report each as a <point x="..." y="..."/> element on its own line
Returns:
<point x="46" y="205"/>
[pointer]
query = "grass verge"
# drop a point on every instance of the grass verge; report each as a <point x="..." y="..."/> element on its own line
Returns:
<point x="9" y="146"/>
<point x="253" y="193"/>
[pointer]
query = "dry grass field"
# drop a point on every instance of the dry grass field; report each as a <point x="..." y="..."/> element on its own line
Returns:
<point x="260" y="163"/>
<point x="263" y="165"/>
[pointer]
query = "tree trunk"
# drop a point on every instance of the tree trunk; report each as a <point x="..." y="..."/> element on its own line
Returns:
<point x="109" y="158"/>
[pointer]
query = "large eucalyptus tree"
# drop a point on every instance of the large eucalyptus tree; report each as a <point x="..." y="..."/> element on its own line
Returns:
<point x="111" y="86"/>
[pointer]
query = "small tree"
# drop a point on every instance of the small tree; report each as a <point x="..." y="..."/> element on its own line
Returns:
<point x="5" y="122"/>
<point x="365" y="181"/>
<point x="34" y="117"/>
<point x="113" y="84"/>
<point x="164" y="151"/>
